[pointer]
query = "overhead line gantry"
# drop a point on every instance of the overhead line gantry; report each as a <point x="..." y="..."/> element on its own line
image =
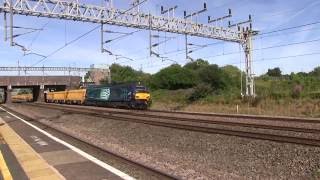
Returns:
<point x="66" y="69"/>
<point x="73" y="10"/>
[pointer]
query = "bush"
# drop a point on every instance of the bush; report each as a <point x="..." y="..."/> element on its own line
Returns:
<point x="254" y="102"/>
<point x="215" y="77"/>
<point x="173" y="77"/>
<point x="277" y="95"/>
<point x="199" y="92"/>
<point x="314" y="95"/>
<point x="296" y="91"/>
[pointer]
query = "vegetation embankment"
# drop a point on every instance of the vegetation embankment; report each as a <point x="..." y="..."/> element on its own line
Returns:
<point x="200" y="86"/>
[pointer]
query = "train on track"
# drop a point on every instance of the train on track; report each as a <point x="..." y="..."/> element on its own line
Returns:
<point x="22" y="98"/>
<point x="21" y="95"/>
<point x="131" y="96"/>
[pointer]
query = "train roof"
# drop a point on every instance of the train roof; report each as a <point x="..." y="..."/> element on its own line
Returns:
<point x="117" y="85"/>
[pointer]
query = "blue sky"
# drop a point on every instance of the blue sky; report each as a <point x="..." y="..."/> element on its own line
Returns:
<point x="267" y="15"/>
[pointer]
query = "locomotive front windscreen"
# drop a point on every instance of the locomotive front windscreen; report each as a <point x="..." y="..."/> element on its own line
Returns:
<point x="141" y="89"/>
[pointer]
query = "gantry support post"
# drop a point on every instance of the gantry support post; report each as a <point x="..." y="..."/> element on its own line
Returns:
<point x="186" y="46"/>
<point x="247" y="46"/>
<point x="101" y="31"/>
<point x="5" y="26"/>
<point x="11" y="23"/>
<point x="102" y="39"/>
<point x="109" y="75"/>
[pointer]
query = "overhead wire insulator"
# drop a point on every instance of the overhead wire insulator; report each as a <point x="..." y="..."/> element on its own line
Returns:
<point x="210" y="20"/>
<point x="155" y="45"/>
<point x="195" y="13"/>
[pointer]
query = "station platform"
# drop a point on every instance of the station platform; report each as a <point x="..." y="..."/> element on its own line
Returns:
<point x="19" y="161"/>
<point x="28" y="153"/>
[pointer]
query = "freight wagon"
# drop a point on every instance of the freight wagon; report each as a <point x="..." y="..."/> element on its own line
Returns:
<point x="22" y="98"/>
<point x="66" y="97"/>
<point x="119" y="96"/>
<point x="21" y="95"/>
<point x="76" y="96"/>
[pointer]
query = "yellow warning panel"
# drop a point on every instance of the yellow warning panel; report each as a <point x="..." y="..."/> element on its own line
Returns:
<point x="32" y="163"/>
<point x="4" y="168"/>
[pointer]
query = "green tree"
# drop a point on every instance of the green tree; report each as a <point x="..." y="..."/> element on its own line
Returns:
<point x="196" y="65"/>
<point x="87" y="76"/>
<point x="126" y="74"/>
<point x="316" y="72"/>
<point x="234" y="76"/>
<point x="214" y="76"/>
<point x="275" y="72"/>
<point x="173" y="77"/>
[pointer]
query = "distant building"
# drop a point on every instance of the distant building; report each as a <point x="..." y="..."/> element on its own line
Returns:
<point x="97" y="74"/>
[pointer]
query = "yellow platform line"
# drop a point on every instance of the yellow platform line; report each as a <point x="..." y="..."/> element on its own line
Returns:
<point x="4" y="169"/>
<point x="31" y="162"/>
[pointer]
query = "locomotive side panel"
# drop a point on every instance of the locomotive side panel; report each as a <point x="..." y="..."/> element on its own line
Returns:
<point x="110" y="96"/>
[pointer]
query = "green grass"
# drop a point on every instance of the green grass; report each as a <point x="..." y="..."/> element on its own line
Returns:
<point x="228" y="102"/>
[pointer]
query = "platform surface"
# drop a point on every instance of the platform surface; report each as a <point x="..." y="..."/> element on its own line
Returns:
<point x="29" y="154"/>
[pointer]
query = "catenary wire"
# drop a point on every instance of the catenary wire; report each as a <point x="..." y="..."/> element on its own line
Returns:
<point x="78" y="38"/>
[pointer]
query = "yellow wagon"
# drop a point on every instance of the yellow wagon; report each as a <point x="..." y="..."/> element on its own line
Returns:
<point x="22" y="98"/>
<point x="76" y="96"/>
<point x="56" y="97"/>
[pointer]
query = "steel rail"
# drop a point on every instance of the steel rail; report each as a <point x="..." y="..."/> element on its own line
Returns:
<point x="229" y="123"/>
<point x="218" y="122"/>
<point x="203" y="129"/>
<point x="245" y="116"/>
<point x="208" y="115"/>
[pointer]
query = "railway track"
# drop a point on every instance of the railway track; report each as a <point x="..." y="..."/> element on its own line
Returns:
<point x="206" y="121"/>
<point x="199" y="125"/>
<point x="150" y="170"/>
<point x="168" y="114"/>
<point x="244" y="116"/>
<point x="230" y="123"/>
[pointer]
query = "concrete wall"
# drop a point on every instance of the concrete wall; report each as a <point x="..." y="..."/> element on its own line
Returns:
<point x="69" y="81"/>
<point x="39" y="84"/>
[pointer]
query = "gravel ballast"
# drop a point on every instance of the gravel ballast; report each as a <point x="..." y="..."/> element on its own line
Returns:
<point x="189" y="155"/>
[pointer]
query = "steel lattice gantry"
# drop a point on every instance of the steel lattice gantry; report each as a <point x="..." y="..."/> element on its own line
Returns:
<point x="97" y="14"/>
<point x="73" y="10"/>
<point x="46" y="69"/>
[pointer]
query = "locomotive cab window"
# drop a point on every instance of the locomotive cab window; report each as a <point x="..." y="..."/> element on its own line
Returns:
<point x="141" y="89"/>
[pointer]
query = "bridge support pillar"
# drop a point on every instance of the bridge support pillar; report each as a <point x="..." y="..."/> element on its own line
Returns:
<point x="8" y="94"/>
<point x="40" y="97"/>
